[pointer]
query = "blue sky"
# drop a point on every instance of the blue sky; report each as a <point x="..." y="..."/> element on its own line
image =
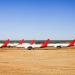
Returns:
<point x="37" y="19"/>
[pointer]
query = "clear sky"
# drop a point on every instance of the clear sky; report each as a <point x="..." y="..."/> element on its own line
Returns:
<point x="37" y="19"/>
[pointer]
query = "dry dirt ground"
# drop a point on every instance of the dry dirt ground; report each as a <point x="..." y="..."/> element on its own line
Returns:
<point x="48" y="61"/>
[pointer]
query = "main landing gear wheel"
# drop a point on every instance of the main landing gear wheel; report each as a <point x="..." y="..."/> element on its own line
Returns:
<point x="29" y="48"/>
<point x="58" y="46"/>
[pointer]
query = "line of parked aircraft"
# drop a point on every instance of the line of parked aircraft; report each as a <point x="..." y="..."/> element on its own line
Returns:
<point x="32" y="44"/>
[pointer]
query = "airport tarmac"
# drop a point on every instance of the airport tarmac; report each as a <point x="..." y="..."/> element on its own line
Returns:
<point x="45" y="61"/>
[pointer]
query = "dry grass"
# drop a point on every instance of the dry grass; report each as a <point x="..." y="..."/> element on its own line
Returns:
<point x="45" y="61"/>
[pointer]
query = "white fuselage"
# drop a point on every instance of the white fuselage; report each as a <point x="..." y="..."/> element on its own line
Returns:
<point x="12" y="44"/>
<point x="58" y="44"/>
<point x="1" y="44"/>
<point x="26" y="45"/>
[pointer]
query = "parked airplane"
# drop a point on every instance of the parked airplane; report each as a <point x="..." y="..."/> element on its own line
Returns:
<point x="5" y="44"/>
<point x="60" y="45"/>
<point x="32" y="45"/>
<point x="25" y="45"/>
<point x="20" y="43"/>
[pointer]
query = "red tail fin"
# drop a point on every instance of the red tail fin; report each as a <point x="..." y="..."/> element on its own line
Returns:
<point x="71" y="43"/>
<point x="5" y="43"/>
<point x="21" y="41"/>
<point x="45" y="43"/>
<point x="32" y="42"/>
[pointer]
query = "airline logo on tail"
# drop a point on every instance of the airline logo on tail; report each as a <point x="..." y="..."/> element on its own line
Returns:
<point x="32" y="42"/>
<point x="5" y="43"/>
<point x="21" y="41"/>
<point x="45" y="43"/>
<point x="71" y="43"/>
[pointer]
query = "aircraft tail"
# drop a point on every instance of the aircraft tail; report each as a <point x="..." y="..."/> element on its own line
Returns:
<point x="71" y="43"/>
<point x="32" y="42"/>
<point x="5" y="43"/>
<point x="45" y="43"/>
<point x="21" y="41"/>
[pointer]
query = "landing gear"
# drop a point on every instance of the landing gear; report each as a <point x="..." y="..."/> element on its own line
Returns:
<point x="29" y="48"/>
<point x="58" y="46"/>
